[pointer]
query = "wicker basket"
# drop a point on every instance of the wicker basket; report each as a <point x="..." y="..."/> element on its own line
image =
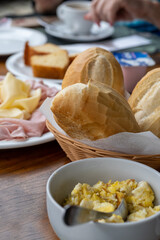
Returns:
<point x="76" y="150"/>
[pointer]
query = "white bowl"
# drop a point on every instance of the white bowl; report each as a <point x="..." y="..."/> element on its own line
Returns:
<point x="90" y="171"/>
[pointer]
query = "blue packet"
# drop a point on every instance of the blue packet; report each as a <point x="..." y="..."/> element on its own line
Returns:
<point x="130" y="59"/>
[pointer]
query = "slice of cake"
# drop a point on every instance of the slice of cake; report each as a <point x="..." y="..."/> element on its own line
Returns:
<point x="44" y="49"/>
<point x="52" y="65"/>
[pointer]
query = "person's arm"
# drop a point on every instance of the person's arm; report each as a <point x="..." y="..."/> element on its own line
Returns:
<point x="45" y="6"/>
<point x="116" y="10"/>
<point x="153" y="15"/>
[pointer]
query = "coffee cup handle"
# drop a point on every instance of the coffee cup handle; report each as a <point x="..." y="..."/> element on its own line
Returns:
<point x="60" y="12"/>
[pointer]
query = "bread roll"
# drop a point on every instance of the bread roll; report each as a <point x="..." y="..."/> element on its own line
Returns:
<point x="92" y="111"/>
<point x="97" y="64"/>
<point x="145" y="102"/>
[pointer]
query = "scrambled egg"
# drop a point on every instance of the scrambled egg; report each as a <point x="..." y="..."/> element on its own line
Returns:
<point x="17" y="100"/>
<point x="106" y="197"/>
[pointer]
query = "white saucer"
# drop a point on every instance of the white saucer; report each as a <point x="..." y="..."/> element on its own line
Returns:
<point x="59" y="29"/>
<point x="12" y="39"/>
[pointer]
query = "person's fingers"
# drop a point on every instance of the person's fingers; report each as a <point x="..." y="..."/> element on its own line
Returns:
<point x="88" y="16"/>
<point x="94" y="3"/>
<point x="92" y="15"/>
<point x="99" y="10"/>
<point x="106" y="10"/>
<point x="124" y="15"/>
<point x="114" y="9"/>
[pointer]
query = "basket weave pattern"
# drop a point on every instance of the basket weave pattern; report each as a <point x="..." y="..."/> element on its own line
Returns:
<point x="76" y="150"/>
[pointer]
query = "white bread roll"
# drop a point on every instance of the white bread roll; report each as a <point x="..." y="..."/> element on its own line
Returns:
<point x="92" y="111"/>
<point x="97" y="64"/>
<point x="145" y="102"/>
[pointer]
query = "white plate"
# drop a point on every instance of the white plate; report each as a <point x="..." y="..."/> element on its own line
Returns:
<point x="58" y="29"/>
<point x="15" y="63"/>
<point x="47" y="137"/>
<point x="12" y="39"/>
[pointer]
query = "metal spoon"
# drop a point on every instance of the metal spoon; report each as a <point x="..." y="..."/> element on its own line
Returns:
<point x="76" y="215"/>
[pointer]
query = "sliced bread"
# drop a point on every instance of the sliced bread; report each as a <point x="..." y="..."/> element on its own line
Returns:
<point x="52" y="65"/>
<point x="44" y="49"/>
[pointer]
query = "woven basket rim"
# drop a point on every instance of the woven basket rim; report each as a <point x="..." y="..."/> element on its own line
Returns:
<point x="98" y="150"/>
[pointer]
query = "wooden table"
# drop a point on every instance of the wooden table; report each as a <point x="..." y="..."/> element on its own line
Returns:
<point x="23" y="176"/>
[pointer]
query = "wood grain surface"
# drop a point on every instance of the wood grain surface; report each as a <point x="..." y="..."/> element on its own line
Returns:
<point x="23" y="176"/>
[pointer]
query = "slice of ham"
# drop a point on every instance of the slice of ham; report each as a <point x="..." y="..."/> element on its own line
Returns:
<point x="45" y="90"/>
<point x="19" y="129"/>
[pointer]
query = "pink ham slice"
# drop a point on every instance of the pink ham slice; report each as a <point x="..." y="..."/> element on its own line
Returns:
<point x="45" y="90"/>
<point x="22" y="129"/>
<point x="19" y="129"/>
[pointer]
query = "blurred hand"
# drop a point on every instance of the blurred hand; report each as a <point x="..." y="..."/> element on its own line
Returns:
<point x="116" y="10"/>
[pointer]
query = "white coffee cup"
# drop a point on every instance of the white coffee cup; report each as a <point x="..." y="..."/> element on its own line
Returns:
<point x="72" y="14"/>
